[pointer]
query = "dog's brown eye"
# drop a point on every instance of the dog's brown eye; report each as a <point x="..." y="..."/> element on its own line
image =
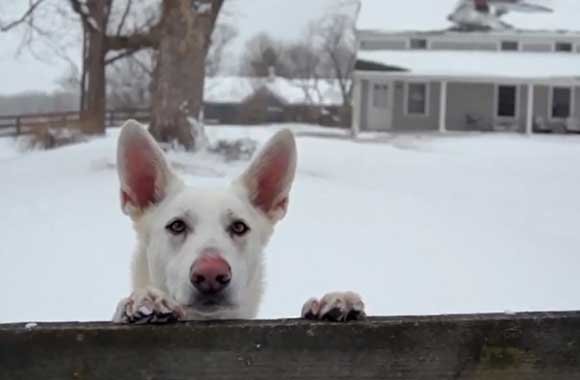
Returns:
<point x="177" y="227"/>
<point x="239" y="228"/>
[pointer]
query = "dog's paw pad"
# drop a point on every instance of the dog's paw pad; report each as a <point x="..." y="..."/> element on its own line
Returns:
<point x="336" y="307"/>
<point x="148" y="306"/>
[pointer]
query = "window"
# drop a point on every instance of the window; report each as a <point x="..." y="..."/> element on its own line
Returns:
<point x="507" y="97"/>
<point x="510" y="45"/>
<point x="563" y="47"/>
<point x="561" y="102"/>
<point x="418" y="44"/>
<point x="417" y="98"/>
<point x="380" y="95"/>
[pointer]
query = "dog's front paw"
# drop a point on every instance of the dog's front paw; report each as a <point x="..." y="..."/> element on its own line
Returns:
<point x="148" y="305"/>
<point x="336" y="306"/>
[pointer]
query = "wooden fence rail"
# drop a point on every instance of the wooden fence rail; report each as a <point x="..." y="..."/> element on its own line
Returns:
<point x="530" y="346"/>
<point x="15" y="125"/>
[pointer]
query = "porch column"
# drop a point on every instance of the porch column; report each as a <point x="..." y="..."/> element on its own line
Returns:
<point x="530" y="113"/>
<point x="443" y="107"/>
<point x="356" y="107"/>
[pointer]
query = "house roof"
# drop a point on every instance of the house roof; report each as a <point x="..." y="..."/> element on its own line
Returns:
<point x="478" y="64"/>
<point x="235" y="89"/>
<point x="428" y="15"/>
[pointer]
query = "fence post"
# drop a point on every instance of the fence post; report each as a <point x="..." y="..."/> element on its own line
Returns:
<point x="18" y="129"/>
<point x="111" y="119"/>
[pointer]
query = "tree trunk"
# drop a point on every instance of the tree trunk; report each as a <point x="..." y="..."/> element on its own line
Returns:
<point x="83" y="84"/>
<point x="94" y="112"/>
<point x="177" y="100"/>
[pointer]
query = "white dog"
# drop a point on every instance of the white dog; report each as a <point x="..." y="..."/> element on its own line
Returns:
<point x="199" y="252"/>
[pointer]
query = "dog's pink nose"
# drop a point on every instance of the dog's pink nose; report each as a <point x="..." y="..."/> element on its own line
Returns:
<point x="210" y="274"/>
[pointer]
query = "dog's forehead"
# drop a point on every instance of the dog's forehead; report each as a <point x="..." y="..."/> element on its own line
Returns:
<point x="206" y="203"/>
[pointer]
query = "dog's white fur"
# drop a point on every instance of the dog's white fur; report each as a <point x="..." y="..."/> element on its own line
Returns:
<point x="153" y="196"/>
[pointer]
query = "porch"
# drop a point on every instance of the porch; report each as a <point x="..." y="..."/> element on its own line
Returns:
<point x="399" y="101"/>
<point x="466" y="91"/>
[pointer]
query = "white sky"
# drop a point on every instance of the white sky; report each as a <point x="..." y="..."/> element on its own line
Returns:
<point x="285" y="19"/>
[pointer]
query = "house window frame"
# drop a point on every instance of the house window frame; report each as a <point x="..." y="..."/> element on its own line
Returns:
<point x="516" y="116"/>
<point x="427" y="98"/>
<point x="410" y="43"/>
<point x="551" y="116"/>
<point x="518" y="45"/>
<point x="556" y="43"/>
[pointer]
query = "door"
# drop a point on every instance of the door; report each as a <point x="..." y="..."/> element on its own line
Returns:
<point x="381" y="106"/>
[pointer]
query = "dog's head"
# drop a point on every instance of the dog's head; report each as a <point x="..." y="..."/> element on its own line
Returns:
<point x="202" y="247"/>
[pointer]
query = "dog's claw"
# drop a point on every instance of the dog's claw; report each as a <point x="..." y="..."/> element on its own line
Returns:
<point x="335" y="307"/>
<point x="148" y="306"/>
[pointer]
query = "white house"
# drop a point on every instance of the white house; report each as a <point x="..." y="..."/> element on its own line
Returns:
<point x="417" y="71"/>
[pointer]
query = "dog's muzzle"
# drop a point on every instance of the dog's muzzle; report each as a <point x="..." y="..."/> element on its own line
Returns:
<point x="210" y="275"/>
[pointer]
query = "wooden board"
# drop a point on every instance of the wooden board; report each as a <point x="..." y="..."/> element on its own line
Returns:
<point x="531" y="346"/>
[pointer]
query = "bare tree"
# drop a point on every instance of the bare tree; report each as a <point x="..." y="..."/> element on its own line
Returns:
<point x="180" y="32"/>
<point x="305" y="65"/>
<point x="338" y="43"/>
<point x="129" y="81"/>
<point x="105" y="42"/>
<point x="184" y="36"/>
<point x="263" y="54"/>
<point x="222" y="37"/>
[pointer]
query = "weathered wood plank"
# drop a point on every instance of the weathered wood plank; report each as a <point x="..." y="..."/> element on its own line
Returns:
<point x="530" y="346"/>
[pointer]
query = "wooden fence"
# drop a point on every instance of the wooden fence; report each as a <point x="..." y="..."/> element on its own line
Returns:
<point x="15" y="125"/>
<point x="530" y="346"/>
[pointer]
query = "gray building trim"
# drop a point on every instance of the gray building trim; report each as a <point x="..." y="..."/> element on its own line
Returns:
<point x="464" y="45"/>
<point x="537" y="47"/>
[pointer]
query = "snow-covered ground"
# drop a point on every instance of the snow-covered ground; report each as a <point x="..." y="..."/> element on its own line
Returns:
<point x="415" y="223"/>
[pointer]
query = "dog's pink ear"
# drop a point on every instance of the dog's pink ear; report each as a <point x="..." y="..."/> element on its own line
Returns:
<point x="143" y="171"/>
<point x="269" y="178"/>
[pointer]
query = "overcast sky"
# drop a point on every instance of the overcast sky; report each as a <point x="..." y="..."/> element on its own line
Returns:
<point x="284" y="19"/>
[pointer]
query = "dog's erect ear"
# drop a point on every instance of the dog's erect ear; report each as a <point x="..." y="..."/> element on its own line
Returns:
<point x="269" y="177"/>
<point x="143" y="171"/>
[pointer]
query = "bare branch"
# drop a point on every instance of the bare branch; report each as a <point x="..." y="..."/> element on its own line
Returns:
<point x="121" y="55"/>
<point x="25" y="16"/>
<point x="337" y="34"/>
<point x="142" y="65"/>
<point x="93" y="13"/>
<point x="109" y="8"/>
<point x="134" y="41"/>
<point x="124" y="17"/>
<point x="80" y="8"/>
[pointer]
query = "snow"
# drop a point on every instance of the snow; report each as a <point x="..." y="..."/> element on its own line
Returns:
<point x="84" y="8"/>
<point x="480" y="64"/>
<point x="427" y="15"/>
<point x="418" y="224"/>
<point x="93" y="23"/>
<point x="201" y="7"/>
